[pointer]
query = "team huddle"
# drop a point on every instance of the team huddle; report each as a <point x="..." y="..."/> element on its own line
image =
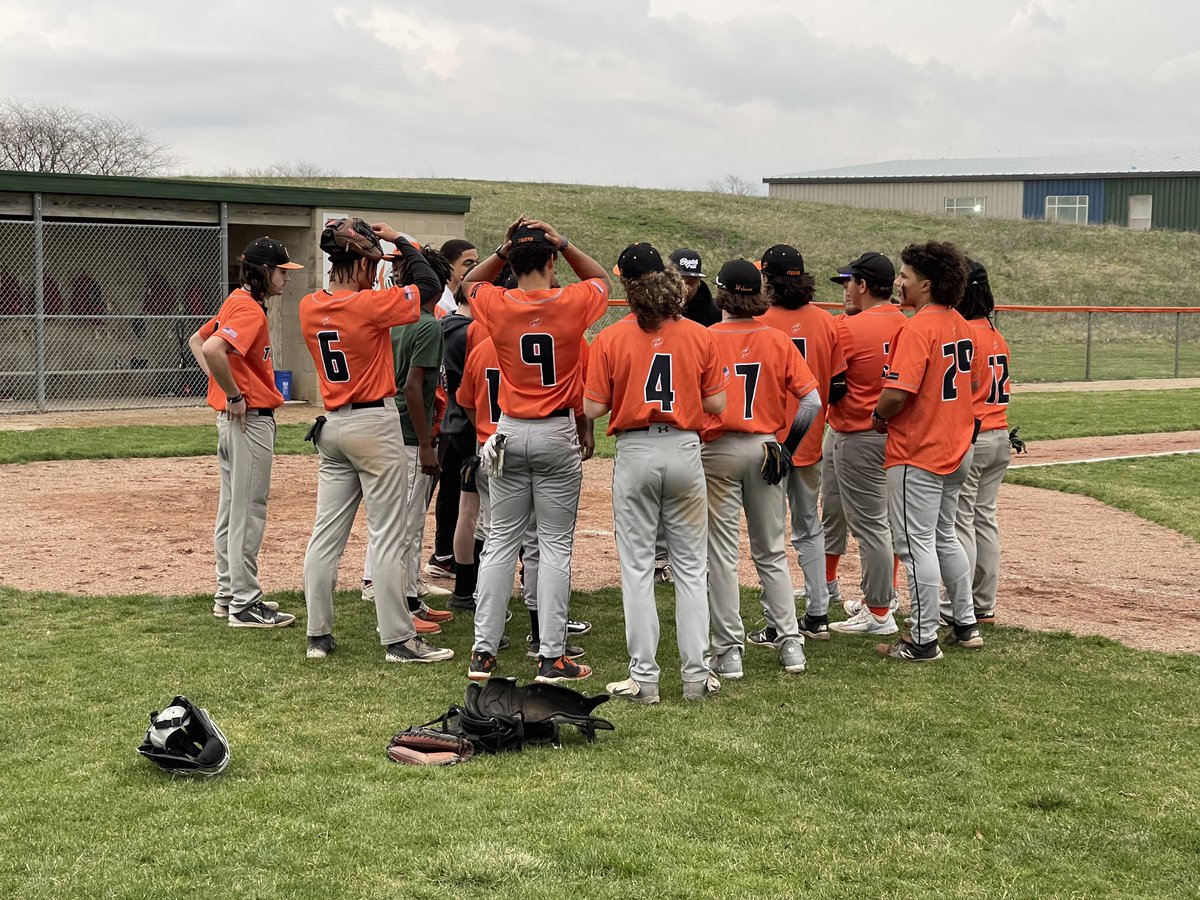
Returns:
<point x="477" y="374"/>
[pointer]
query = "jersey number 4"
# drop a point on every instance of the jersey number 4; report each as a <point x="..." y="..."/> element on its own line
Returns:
<point x="658" y="382"/>
<point x="999" y="393"/>
<point x="333" y="361"/>
<point x="538" y="350"/>
<point x="960" y="354"/>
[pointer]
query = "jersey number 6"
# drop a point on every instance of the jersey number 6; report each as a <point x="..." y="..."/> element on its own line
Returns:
<point x="334" y="361"/>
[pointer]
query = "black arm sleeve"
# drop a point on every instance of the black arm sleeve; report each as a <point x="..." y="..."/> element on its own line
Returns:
<point x="420" y="273"/>
<point x="837" y="388"/>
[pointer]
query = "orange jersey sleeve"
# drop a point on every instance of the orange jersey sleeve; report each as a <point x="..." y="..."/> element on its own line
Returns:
<point x="767" y="377"/>
<point x="242" y="324"/>
<point x="865" y="340"/>
<point x="813" y="332"/>
<point x="480" y="388"/>
<point x="348" y="334"/>
<point x="991" y="400"/>
<point x="658" y="376"/>
<point x="537" y="336"/>
<point x="932" y="358"/>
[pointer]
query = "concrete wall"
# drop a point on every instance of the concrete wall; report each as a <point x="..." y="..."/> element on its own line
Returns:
<point x="1003" y="198"/>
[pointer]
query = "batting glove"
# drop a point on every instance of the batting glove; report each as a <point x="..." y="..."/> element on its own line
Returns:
<point x="491" y="455"/>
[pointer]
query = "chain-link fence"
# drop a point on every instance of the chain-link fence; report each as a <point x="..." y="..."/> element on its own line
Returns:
<point x="97" y="316"/>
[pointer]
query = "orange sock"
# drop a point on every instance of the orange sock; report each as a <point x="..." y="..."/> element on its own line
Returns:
<point x="879" y="611"/>
<point x="895" y="570"/>
<point x="831" y="564"/>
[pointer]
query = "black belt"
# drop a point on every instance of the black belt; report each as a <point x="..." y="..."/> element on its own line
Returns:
<point x="559" y="413"/>
<point x="269" y="413"/>
<point x="374" y="404"/>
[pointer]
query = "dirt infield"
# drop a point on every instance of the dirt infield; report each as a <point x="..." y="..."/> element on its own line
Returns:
<point x="144" y="526"/>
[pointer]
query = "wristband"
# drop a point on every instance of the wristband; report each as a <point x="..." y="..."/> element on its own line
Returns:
<point x="875" y="416"/>
<point x="500" y="251"/>
<point x="232" y="400"/>
<point x="564" y="245"/>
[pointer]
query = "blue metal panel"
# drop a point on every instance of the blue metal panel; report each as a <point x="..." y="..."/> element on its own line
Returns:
<point x="1036" y="193"/>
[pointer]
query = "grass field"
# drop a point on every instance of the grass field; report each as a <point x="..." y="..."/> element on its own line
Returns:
<point x="1001" y="773"/>
<point x="1041" y="417"/>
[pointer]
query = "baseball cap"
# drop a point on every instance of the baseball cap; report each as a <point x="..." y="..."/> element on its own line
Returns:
<point x="526" y="235"/>
<point x="637" y="260"/>
<point x="873" y="268"/>
<point x="782" y="259"/>
<point x="268" y="252"/>
<point x="740" y="276"/>
<point x="976" y="273"/>
<point x="688" y="263"/>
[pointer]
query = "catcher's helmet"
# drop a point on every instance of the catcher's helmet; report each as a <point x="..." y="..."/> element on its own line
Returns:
<point x="184" y="740"/>
<point x="347" y="239"/>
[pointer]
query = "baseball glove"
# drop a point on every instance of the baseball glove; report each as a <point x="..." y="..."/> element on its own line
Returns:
<point x="351" y="237"/>
<point x="420" y="746"/>
<point x="1015" y="442"/>
<point x="777" y="462"/>
<point x="466" y="475"/>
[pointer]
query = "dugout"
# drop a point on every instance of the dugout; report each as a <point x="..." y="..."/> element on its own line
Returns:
<point x="102" y="279"/>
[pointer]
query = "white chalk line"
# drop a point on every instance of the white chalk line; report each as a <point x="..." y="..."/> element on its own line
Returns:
<point x="1098" y="459"/>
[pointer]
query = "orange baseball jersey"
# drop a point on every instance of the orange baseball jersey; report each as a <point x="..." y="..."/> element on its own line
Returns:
<point x="480" y="388"/>
<point x="865" y="340"/>
<point x="242" y="324"/>
<point x="349" y="338"/>
<point x="537" y="336"/>
<point x="991" y="400"/>
<point x="658" y="376"/>
<point x="813" y="332"/>
<point x="768" y="377"/>
<point x="933" y="358"/>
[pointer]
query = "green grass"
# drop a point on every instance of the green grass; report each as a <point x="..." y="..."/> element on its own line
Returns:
<point x="861" y="778"/>
<point x="1041" y="417"/>
<point x="1161" y="489"/>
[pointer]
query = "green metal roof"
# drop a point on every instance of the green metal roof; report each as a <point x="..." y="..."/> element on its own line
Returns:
<point x="229" y="192"/>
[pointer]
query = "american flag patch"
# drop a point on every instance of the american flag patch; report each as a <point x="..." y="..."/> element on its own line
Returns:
<point x="229" y="331"/>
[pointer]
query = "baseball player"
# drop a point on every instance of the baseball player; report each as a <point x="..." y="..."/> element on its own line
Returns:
<point x="976" y="524"/>
<point x="658" y="374"/>
<point x="234" y="351"/>
<point x="347" y="328"/>
<point x="537" y="331"/>
<point x="926" y="410"/>
<point x="813" y="332"/>
<point x="858" y="450"/>
<point x="700" y="306"/>
<point x="769" y="376"/>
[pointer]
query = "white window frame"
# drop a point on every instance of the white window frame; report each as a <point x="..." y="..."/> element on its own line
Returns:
<point x="1141" y="223"/>
<point x="966" y="206"/>
<point x="1058" y="205"/>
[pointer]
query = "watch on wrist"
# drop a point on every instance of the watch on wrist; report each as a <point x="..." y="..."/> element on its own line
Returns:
<point x="564" y="245"/>
<point x="877" y="417"/>
<point x="500" y="251"/>
<point x="238" y="399"/>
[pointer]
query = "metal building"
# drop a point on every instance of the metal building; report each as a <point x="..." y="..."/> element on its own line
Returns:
<point x="1135" y="191"/>
<point x="103" y="279"/>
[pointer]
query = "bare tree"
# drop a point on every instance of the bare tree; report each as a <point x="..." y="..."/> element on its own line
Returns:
<point x="733" y="184"/>
<point x="298" y="168"/>
<point x="54" y="137"/>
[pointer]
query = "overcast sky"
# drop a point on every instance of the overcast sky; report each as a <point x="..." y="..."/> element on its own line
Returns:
<point x="659" y="93"/>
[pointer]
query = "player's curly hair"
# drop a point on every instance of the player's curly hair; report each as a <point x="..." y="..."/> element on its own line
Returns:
<point x="747" y="305"/>
<point x="655" y="297"/>
<point x="530" y="257"/>
<point x="977" y="301"/>
<point x="256" y="279"/>
<point x="437" y="261"/>
<point x="945" y="267"/>
<point x="790" y="291"/>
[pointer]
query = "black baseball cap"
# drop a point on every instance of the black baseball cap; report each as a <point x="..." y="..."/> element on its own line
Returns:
<point x="268" y="252"/>
<point x="637" y="260"/>
<point x="740" y="276"/>
<point x="688" y="263"/>
<point x="783" y="259"/>
<point x="873" y="268"/>
<point x="976" y="272"/>
<point x="524" y="235"/>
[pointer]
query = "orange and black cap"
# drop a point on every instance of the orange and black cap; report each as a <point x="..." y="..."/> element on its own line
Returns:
<point x="637" y="260"/>
<point x="268" y="252"/>
<point x="740" y="276"/>
<point x="782" y="260"/>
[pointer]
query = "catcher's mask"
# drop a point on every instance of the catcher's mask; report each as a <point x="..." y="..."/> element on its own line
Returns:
<point x="345" y="240"/>
<point x="184" y="740"/>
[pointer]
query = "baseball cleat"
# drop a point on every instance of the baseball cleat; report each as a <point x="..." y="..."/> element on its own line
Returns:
<point x="417" y="650"/>
<point x="698" y="690"/>
<point x="866" y="622"/>
<point x="969" y="637"/>
<point x="320" y="646"/>
<point x="905" y="650"/>
<point x="221" y="610"/>
<point x="437" y="567"/>
<point x="791" y="656"/>
<point x="425" y="590"/>
<point x="854" y="607"/>
<point x="727" y="664"/>
<point x="764" y="637"/>
<point x="638" y="691"/>
<point x="482" y="666"/>
<point x="257" y="615"/>
<point x="423" y="626"/>
<point x="815" y="627"/>
<point x="555" y="671"/>
<point x="576" y="627"/>
<point x="533" y="646"/>
<point x="462" y="604"/>
<point x="432" y="615"/>
<point x="368" y="591"/>
<point x="985" y="616"/>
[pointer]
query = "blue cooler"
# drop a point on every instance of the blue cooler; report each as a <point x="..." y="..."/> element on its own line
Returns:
<point x="283" y="382"/>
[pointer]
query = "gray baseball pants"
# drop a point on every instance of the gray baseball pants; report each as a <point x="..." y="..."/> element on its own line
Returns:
<point x="542" y="475"/>
<point x="976" y="524"/>
<point x="416" y="504"/>
<point x="808" y="537"/>
<point x="833" y="517"/>
<point x="658" y="480"/>
<point x="360" y="459"/>
<point x="244" y="459"/>
<point x="922" y="507"/>
<point x="863" y="486"/>
<point x="733" y="470"/>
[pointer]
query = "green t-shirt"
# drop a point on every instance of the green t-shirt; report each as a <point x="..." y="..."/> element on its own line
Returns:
<point x="418" y="344"/>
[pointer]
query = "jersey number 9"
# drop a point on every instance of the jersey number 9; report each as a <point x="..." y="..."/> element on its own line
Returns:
<point x="538" y="350"/>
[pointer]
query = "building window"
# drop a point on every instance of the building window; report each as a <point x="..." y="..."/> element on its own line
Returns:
<point x="1139" y="211"/>
<point x="1070" y="208"/>
<point x="966" y="206"/>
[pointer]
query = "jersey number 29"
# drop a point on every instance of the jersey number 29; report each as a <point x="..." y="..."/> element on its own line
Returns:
<point x="960" y="354"/>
